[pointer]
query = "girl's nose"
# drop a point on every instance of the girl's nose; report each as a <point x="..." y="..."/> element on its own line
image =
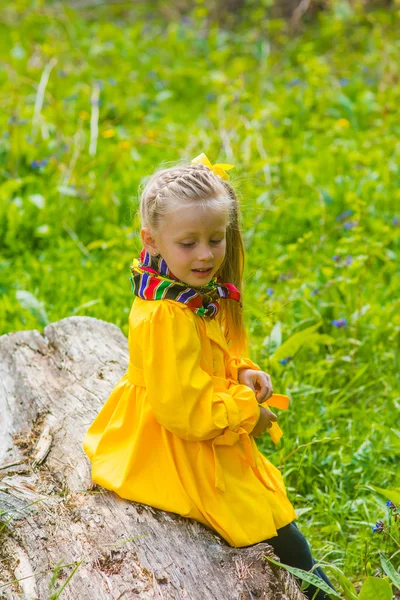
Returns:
<point x="205" y="253"/>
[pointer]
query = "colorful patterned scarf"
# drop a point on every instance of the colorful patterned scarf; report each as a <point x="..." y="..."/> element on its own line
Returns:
<point x="151" y="279"/>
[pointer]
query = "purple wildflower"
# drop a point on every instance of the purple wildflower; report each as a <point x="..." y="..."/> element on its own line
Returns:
<point x="15" y="121"/>
<point x="315" y="292"/>
<point x="70" y="98"/>
<point x="336" y="257"/>
<point x="284" y="361"/>
<point x="36" y="164"/>
<point x="349" y="260"/>
<point x="378" y="527"/>
<point x="293" y="82"/>
<point x="350" y="224"/>
<point x="344" y="81"/>
<point x="395" y="221"/>
<point x="339" y="322"/>
<point x="391" y="505"/>
<point x="343" y="216"/>
<point x="270" y="291"/>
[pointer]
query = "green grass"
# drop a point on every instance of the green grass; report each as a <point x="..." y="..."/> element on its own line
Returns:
<point x="311" y="123"/>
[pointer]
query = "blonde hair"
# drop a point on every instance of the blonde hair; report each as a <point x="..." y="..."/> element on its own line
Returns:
<point x="170" y="188"/>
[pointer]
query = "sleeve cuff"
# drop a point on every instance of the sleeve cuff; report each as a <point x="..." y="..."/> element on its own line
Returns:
<point x="242" y="407"/>
<point x="249" y="408"/>
<point x="236" y="364"/>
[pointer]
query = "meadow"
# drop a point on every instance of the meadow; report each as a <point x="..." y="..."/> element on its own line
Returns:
<point x="95" y="100"/>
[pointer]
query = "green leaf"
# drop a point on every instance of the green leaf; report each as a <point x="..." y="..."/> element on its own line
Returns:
<point x="38" y="200"/>
<point x="97" y="244"/>
<point x="376" y="589"/>
<point x="8" y="188"/>
<point x="323" y="338"/>
<point x="58" y="592"/>
<point x="308" y="577"/>
<point x="347" y="106"/>
<point x="272" y="342"/>
<point x="327" y="198"/>
<point x="348" y="587"/>
<point x="302" y="511"/>
<point x="33" y="305"/>
<point x="393" y="494"/>
<point x="294" y="343"/>
<point x="86" y="305"/>
<point x="67" y="190"/>
<point x="349" y="385"/>
<point x="390" y="571"/>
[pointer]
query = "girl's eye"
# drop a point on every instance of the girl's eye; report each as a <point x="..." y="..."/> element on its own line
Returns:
<point x="192" y="244"/>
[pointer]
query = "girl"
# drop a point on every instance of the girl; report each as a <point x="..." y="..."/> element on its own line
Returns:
<point x="177" y="431"/>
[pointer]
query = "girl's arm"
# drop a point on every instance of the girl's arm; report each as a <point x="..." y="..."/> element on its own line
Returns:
<point x="181" y="393"/>
<point x="235" y="365"/>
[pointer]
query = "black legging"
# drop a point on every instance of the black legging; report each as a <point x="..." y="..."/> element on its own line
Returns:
<point x="292" y="548"/>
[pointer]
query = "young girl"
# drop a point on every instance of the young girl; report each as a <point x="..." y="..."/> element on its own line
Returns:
<point x="177" y="431"/>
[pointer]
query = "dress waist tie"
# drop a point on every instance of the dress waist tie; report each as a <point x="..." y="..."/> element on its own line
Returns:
<point x="249" y="447"/>
<point x="269" y="479"/>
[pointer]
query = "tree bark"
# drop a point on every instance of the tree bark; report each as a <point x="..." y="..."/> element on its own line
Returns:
<point x="55" y="523"/>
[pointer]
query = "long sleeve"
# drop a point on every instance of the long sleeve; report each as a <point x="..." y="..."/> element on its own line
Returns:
<point x="181" y="393"/>
<point x="236" y="364"/>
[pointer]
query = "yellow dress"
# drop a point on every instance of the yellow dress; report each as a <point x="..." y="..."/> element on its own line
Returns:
<point x="174" y="433"/>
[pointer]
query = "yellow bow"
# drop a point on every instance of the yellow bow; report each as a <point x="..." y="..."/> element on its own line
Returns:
<point x="219" y="169"/>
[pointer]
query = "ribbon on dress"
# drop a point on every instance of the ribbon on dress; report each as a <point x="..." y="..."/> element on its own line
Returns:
<point x="229" y="438"/>
<point x="276" y="401"/>
<point x="250" y="451"/>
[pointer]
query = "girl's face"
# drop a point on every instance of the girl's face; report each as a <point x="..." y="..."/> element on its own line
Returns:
<point x="190" y="239"/>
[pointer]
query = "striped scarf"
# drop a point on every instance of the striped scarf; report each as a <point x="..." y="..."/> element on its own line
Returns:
<point x="151" y="279"/>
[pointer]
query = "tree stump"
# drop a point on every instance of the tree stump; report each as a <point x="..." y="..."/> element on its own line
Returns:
<point x="57" y="528"/>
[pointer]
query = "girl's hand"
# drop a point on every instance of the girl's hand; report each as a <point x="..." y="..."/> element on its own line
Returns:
<point x="264" y="422"/>
<point x="258" y="381"/>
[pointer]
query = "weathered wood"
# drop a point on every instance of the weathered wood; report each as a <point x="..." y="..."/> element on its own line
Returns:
<point x="51" y="388"/>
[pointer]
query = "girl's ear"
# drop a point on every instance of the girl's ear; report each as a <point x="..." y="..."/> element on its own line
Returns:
<point x="148" y="241"/>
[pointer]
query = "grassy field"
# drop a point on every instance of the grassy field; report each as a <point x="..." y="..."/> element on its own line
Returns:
<point x="311" y="123"/>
